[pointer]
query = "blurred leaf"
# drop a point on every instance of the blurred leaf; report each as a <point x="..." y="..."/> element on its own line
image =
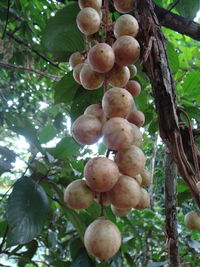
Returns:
<point x="191" y="83"/>
<point x="156" y="264"/>
<point x="172" y="57"/>
<point x="188" y="8"/>
<point x="26" y="211"/>
<point x="47" y="133"/>
<point x="82" y="259"/>
<point x="75" y="246"/>
<point x="194" y="244"/>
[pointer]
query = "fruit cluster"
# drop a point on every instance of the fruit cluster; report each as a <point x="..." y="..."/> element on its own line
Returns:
<point x="118" y="182"/>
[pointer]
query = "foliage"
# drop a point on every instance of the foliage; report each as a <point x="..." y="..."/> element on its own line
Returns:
<point x="42" y="35"/>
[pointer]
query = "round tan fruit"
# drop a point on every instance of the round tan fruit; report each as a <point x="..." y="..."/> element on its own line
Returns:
<point x="75" y="59"/>
<point x="130" y="161"/>
<point x="102" y="239"/>
<point x="144" y="200"/>
<point x="117" y="102"/>
<point x="126" y="193"/>
<point x="97" y="111"/>
<point x="126" y="25"/>
<point x="88" y="21"/>
<point x="120" y="212"/>
<point x="198" y="186"/>
<point x="136" y="117"/>
<point x="117" y="133"/>
<point x="76" y="72"/>
<point x="133" y="71"/>
<point x="133" y="87"/>
<point x="78" y="195"/>
<point x="101" y="57"/>
<point x="138" y="178"/>
<point x="96" y="4"/>
<point x="137" y="136"/>
<point x="90" y="79"/>
<point x="119" y="75"/>
<point x="101" y="174"/>
<point x="192" y="220"/>
<point x="146" y="178"/>
<point x="102" y="198"/>
<point x="87" y="129"/>
<point x="127" y="50"/>
<point x="124" y="6"/>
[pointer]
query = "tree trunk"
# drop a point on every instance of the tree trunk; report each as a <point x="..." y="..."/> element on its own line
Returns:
<point x="170" y="210"/>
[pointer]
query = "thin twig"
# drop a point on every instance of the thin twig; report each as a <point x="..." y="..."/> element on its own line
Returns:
<point x="174" y="5"/>
<point x="7" y="17"/>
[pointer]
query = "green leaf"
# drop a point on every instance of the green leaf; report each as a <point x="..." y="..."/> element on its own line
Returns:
<point x="26" y="211"/>
<point x="193" y="112"/>
<point x="75" y="245"/>
<point x="172" y="57"/>
<point x="3" y="226"/>
<point x="61" y="35"/>
<point x="65" y="89"/>
<point x="67" y="147"/>
<point x="47" y="133"/>
<point x="156" y="264"/>
<point x="191" y="84"/>
<point x="82" y="259"/>
<point x="188" y="8"/>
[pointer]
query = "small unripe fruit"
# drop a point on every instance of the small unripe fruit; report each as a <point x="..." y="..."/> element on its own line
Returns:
<point x="97" y="111"/>
<point x="102" y="198"/>
<point x="124" y="6"/>
<point x="87" y="129"/>
<point x="146" y="178"/>
<point x="78" y="195"/>
<point x="76" y="72"/>
<point x="119" y="76"/>
<point x="102" y="239"/>
<point x="88" y="21"/>
<point x="126" y="193"/>
<point x="133" y="87"/>
<point x="101" y="174"/>
<point x="75" y="59"/>
<point x="144" y="200"/>
<point x="96" y="4"/>
<point x="127" y="50"/>
<point x="101" y="57"/>
<point x="133" y="71"/>
<point x="126" y="25"/>
<point x="136" y="117"/>
<point x="117" y="102"/>
<point x="130" y="161"/>
<point x="120" y="212"/>
<point x="90" y="79"/>
<point x="117" y="133"/>
<point x="192" y="220"/>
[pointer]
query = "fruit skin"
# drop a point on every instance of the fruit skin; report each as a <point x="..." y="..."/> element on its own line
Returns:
<point x="75" y="59"/>
<point x="130" y="161"/>
<point x="76" y="72"/>
<point x="144" y="201"/>
<point x="120" y="212"/>
<point x="146" y="178"/>
<point x="136" y="117"/>
<point x="137" y="135"/>
<point x="133" y="71"/>
<point x="119" y="76"/>
<point x="117" y="102"/>
<point x="126" y="25"/>
<point x="101" y="174"/>
<point x="96" y="4"/>
<point x="101" y="57"/>
<point x="123" y="6"/>
<point x="133" y="87"/>
<point x="127" y="50"/>
<point x="102" y="239"/>
<point x="126" y="193"/>
<point x="87" y="129"/>
<point x="78" y="195"/>
<point x="192" y="220"/>
<point x="117" y="133"/>
<point x="88" y="21"/>
<point x="90" y="79"/>
<point x="138" y="178"/>
<point x="97" y="111"/>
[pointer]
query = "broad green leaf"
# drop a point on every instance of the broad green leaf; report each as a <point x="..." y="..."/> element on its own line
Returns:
<point x="191" y="83"/>
<point x="65" y="89"/>
<point x="75" y="245"/>
<point x="193" y="112"/>
<point x="61" y="35"/>
<point x="67" y="147"/>
<point x="172" y="57"/>
<point x="26" y="211"/>
<point x="47" y="133"/>
<point x="82" y="259"/>
<point x="3" y="226"/>
<point x="188" y="8"/>
<point x="28" y="254"/>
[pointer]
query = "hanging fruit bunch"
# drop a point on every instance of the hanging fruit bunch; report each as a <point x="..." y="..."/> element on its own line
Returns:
<point x="108" y="60"/>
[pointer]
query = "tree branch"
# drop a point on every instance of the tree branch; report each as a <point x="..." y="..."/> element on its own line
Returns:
<point x="18" y="67"/>
<point x="178" y="23"/>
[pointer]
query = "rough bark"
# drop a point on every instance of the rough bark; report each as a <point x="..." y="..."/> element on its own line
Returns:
<point x="155" y="63"/>
<point x="170" y="210"/>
